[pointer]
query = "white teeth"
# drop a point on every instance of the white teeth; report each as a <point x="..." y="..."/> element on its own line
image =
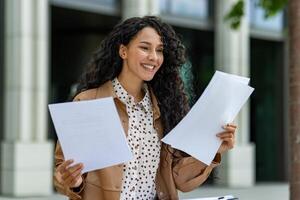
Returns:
<point x="148" y="66"/>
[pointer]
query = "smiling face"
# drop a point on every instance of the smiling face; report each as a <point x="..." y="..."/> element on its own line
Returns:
<point x="143" y="56"/>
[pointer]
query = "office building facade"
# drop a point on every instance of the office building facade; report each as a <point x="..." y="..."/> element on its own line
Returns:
<point x="45" y="44"/>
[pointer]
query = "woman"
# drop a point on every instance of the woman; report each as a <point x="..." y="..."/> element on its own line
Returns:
<point x="138" y="65"/>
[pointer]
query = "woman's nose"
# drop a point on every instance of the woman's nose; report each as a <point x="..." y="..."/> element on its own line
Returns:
<point x="152" y="55"/>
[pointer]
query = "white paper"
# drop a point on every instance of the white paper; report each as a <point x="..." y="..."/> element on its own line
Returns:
<point x="227" y="197"/>
<point x="218" y="105"/>
<point x="91" y="132"/>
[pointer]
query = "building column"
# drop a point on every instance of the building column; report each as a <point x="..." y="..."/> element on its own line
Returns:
<point x="139" y="8"/>
<point x="232" y="56"/>
<point x="26" y="154"/>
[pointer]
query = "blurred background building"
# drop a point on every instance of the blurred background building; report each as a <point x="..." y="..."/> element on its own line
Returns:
<point x="45" y="44"/>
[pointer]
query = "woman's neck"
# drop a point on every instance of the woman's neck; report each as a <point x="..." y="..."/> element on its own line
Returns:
<point x="133" y="86"/>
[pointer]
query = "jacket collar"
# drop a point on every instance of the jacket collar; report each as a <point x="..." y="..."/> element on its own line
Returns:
<point x="106" y="90"/>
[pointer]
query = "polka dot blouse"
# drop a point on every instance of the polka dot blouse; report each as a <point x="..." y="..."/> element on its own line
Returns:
<point x="139" y="174"/>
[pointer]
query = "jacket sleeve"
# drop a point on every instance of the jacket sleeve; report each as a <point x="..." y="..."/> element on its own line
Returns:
<point x="189" y="173"/>
<point x="71" y="193"/>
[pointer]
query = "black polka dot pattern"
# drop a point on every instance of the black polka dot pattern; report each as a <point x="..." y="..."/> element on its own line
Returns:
<point x="139" y="174"/>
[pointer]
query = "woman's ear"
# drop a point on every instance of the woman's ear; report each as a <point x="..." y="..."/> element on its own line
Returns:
<point x="123" y="51"/>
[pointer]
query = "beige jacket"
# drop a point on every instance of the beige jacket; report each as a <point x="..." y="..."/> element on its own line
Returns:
<point x="179" y="172"/>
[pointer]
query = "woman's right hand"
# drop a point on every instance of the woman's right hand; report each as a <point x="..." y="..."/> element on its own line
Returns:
<point x="69" y="176"/>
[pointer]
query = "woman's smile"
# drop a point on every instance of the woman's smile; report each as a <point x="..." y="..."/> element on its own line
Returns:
<point x="149" y="67"/>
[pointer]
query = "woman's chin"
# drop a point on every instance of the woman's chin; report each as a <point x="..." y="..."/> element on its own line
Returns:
<point x="148" y="78"/>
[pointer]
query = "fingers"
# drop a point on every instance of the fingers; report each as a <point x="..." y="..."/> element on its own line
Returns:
<point x="74" y="178"/>
<point x="226" y="134"/>
<point x="70" y="170"/>
<point x="62" y="167"/>
<point x="227" y="137"/>
<point x="70" y="176"/>
<point x="229" y="127"/>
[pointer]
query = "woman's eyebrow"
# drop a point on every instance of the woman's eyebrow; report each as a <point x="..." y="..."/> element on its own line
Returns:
<point x="145" y="42"/>
<point x="149" y="43"/>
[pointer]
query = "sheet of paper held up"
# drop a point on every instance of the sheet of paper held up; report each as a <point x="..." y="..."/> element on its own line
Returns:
<point x="227" y="197"/>
<point x="218" y="105"/>
<point x="91" y="132"/>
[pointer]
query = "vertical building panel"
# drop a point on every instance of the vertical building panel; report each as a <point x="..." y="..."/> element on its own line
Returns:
<point x="1" y="66"/>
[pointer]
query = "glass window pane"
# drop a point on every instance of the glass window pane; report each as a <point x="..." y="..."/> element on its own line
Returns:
<point x="258" y="20"/>
<point x="187" y="8"/>
<point x="163" y="6"/>
<point x="88" y="3"/>
<point x="104" y="2"/>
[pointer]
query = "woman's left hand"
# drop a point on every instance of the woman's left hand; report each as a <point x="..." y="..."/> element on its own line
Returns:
<point x="227" y="137"/>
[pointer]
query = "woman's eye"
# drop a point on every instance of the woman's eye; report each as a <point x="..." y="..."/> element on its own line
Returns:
<point x="160" y="50"/>
<point x="144" y="48"/>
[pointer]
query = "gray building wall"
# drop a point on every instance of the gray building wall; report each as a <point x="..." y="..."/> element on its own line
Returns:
<point x="1" y="71"/>
<point x="1" y="65"/>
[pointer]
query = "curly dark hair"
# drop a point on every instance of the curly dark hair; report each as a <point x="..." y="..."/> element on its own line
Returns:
<point x="106" y="64"/>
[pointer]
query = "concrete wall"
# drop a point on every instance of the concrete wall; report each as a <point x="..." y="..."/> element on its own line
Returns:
<point x="1" y="71"/>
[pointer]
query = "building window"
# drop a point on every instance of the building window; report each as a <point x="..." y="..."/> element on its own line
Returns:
<point x="97" y="6"/>
<point x="111" y="3"/>
<point x="258" y="20"/>
<point x="185" y="8"/>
